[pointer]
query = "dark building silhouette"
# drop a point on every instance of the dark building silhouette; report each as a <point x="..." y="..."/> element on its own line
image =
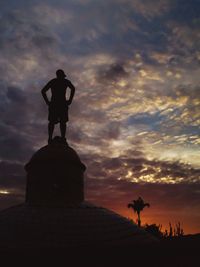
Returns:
<point x="55" y="214"/>
<point x="55" y="176"/>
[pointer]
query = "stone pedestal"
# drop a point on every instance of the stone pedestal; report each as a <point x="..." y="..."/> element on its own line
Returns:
<point x="55" y="176"/>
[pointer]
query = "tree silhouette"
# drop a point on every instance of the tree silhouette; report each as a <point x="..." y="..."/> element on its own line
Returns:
<point x="154" y="230"/>
<point x="138" y="205"/>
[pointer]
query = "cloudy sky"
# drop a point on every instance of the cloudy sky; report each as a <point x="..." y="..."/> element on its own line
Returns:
<point x="136" y="112"/>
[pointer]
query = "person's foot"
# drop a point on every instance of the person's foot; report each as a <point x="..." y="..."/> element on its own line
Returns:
<point x="49" y="141"/>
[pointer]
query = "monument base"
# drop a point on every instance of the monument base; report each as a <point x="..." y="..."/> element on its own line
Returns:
<point x="55" y="176"/>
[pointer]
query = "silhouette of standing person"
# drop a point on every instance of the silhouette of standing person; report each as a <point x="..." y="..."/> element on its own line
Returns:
<point x="58" y="106"/>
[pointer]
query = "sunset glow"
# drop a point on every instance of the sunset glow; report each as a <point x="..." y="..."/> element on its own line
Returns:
<point x="136" y="112"/>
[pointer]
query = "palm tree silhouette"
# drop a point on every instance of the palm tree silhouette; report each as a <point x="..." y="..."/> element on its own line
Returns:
<point x="138" y="205"/>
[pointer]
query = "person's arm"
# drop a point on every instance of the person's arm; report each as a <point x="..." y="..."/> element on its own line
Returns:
<point x="72" y="88"/>
<point x="44" y="90"/>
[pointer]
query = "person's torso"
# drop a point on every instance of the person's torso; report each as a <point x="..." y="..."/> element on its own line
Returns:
<point x="58" y="90"/>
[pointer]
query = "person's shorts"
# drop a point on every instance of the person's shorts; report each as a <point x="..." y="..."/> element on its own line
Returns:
<point x="58" y="113"/>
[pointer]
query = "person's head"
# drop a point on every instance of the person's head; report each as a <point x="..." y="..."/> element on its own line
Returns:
<point x="60" y="74"/>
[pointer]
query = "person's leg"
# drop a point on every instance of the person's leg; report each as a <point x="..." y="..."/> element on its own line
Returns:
<point x="63" y="129"/>
<point x="50" y="131"/>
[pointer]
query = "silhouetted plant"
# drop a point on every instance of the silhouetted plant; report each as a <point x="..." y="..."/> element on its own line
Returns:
<point x="137" y="206"/>
<point x="166" y="234"/>
<point x="176" y="231"/>
<point x="170" y="230"/>
<point x="155" y="230"/>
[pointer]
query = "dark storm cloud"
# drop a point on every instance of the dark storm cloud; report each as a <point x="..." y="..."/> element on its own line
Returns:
<point x="23" y="41"/>
<point x="192" y="92"/>
<point x="12" y="175"/>
<point x="186" y="12"/>
<point x="15" y="147"/>
<point x="139" y="169"/>
<point x="15" y="141"/>
<point x="78" y="109"/>
<point x="21" y="32"/>
<point x="15" y="95"/>
<point x="111" y="73"/>
<point x="13" y="102"/>
<point x="112" y="131"/>
<point x="184" y="118"/>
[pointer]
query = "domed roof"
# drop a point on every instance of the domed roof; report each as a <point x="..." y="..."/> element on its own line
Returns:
<point x="57" y="151"/>
<point x="77" y="226"/>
